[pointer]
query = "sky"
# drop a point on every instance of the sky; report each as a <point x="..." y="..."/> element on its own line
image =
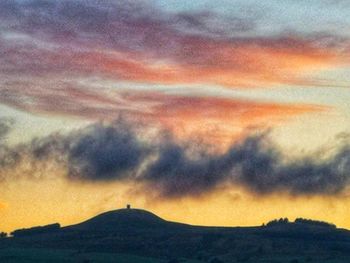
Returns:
<point x="205" y="112"/>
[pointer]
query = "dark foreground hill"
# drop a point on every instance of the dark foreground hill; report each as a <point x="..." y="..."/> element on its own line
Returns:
<point x="120" y="220"/>
<point x="147" y="236"/>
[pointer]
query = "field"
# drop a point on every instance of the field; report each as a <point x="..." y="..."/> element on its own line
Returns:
<point x="14" y="255"/>
<point x="24" y="255"/>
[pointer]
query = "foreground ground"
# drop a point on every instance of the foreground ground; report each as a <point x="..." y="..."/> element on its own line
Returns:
<point x="133" y="236"/>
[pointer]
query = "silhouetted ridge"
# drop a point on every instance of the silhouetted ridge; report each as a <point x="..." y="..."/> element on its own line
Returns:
<point x="139" y="232"/>
<point x="36" y="230"/>
<point x="122" y="219"/>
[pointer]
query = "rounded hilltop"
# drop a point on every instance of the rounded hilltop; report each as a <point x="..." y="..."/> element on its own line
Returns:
<point x="124" y="218"/>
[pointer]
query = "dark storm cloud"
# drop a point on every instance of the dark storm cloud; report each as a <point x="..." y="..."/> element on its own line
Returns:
<point x="8" y="156"/>
<point x="6" y="125"/>
<point x="105" y="153"/>
<point x="255" y="164"/>
<point x="98" y="152"/>
<point x="263" y="169"/>
<point x="171" y="170"/>
<point x="178" y="171"/>
<point x="174" y="174"/>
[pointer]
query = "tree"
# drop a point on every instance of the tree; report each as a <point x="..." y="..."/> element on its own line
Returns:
<point x="281" y="221"/>
<point x="3" y="234"/>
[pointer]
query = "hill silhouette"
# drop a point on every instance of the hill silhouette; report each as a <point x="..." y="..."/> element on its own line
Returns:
<point x="142" y="233"/>
<point x="120" y="220"/>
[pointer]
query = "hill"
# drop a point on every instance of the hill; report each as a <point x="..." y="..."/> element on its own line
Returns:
<point x="140" y="233"/>
<point x="122" y="219"/>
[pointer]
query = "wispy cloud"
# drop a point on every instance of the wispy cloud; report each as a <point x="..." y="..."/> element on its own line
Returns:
<point x="217" y="118"/>
<point x="135" y="41"/>
<point x="48" y="47"/>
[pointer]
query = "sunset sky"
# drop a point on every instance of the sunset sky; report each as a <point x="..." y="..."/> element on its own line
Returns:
<point x="226" y="112"/>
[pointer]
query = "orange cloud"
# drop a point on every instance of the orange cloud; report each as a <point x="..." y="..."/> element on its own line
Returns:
<point x="219" y="119"/>
<point x="185" y="115"/>
<point x="148" y="44"/>
<point x="234" y="65"/>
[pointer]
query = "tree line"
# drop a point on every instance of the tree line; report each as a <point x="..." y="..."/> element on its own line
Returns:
<point x="300" y="221"/>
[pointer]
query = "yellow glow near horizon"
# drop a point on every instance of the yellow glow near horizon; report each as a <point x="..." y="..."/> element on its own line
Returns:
<point x="32" y="203"/>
